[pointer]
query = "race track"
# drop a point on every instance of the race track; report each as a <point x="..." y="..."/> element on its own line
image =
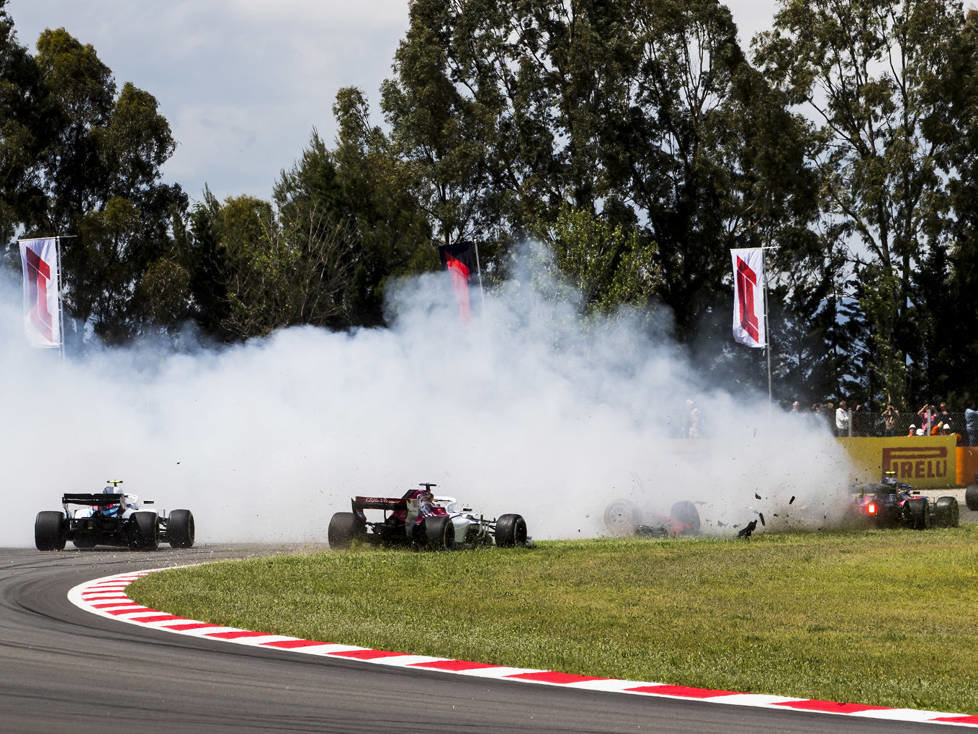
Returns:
<point x="64" y="669"/>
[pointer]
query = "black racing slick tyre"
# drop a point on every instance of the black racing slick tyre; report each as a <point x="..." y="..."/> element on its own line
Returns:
<point x="438" y="532"/>
<point x="685" y="512"/>
<point x="916" y="513"/>
<point x="144" y="531"/>
<point x="971" y="496"/>
<point x="946" y="512"/>
<point x="510" y="531"/>
<point x="621" y="517"/>
<point x="50" y="532"/>
<point x="180" y="529"/>
<point x="344" y="528"/>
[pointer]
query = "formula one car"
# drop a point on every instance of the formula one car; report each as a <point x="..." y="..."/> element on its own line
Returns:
<point x="890" y="503"/>
<point x="623" y="517"/>
<point x="421" y="520"/>
<point x="112" y="517"/>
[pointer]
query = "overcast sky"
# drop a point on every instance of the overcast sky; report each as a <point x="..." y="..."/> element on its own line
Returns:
<point x="244" y="82"/>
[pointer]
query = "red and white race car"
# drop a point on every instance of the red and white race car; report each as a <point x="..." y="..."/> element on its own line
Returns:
<point x="421" y="520"/>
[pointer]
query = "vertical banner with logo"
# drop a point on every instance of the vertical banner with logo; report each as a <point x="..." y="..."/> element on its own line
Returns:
<point x="42" y="300"/>
<point x="749" y="321"/>
<point x="459" y="260"/>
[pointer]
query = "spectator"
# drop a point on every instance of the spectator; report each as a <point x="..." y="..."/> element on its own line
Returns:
<point x="943" y="415"/>
<point x="912" y="431"/>
<point x="858" y="420"/>
<point x="927" y="414"/>
<point x="796" y="407"/>
<point x="971" y="423"/>
<point x="890" y="417"/>
<point x="947" y="431"/>
<point x="843" y="419"/>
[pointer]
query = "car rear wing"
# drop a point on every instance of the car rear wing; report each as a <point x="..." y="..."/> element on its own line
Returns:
<point x="379" y="503"/>
<point x="92" y="500"/>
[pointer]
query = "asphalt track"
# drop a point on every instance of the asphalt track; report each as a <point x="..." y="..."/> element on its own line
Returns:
<point x="65" y="670"/>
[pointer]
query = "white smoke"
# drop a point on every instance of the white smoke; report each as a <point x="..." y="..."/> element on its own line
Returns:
<point x="528" y="408"/>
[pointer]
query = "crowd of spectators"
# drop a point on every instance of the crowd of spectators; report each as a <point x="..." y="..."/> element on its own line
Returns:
<point x="933" y="418"/>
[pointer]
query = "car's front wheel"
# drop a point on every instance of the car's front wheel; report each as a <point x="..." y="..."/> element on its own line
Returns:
<point x="971" y="496"/>
<point x="49" y="530"/>
<point x="180" y="529"/>
<point x="510" y="531"/>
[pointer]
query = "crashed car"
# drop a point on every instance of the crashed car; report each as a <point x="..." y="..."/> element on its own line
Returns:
<point x="890" y="504"/>
<point x="421" y="520"/>
<point x="624" y="517"/>
<point x="114" y="518"/>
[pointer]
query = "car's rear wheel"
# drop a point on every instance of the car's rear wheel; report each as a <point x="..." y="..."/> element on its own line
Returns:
<point x="946" y="512"/>
<point x="510" y="531"/>
<point x="144" y="531"/>
<point x="344" y="528"/>
<point x="180" y="529"/>
<point x="971" y="496"/>
<point x="916" y="513"/>
<point x="685" y="512"/>
<point x="50" y="532"/>
<point x="438" y="532"/>
<point x="621" y="517"/>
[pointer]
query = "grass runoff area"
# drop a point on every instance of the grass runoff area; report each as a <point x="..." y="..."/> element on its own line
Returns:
<point x="878" y="617"/>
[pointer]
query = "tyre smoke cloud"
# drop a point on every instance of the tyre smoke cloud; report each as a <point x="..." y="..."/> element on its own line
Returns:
<point x="528" y="408"/>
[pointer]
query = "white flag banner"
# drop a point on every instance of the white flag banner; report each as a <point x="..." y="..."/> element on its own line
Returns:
<point x="42" y="302"/>
<point x="749" y="320"/>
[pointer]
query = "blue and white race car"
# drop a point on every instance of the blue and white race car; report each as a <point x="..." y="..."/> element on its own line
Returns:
<point x="111" y="517"/>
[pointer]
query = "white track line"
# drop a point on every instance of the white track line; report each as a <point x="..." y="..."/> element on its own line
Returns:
<point x="106" y="597"/>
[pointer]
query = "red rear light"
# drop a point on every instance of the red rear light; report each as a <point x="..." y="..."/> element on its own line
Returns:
<point x="871" y="508"/>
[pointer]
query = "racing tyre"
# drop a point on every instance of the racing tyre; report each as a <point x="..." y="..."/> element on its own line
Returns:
<point x="915" y="510"/>
<point x="50" y="532"/>
<point x="180" y="529"/>
<point x="622" y="517"/>
<point x="510" y="531"/>
<point x="145" y="531"/>
<point x="438" y="532"/>
<point x="344" y="528"/>
<point x="946" y="512"/>
<point x="685" y="512"/>
<point x="971" y="496"/>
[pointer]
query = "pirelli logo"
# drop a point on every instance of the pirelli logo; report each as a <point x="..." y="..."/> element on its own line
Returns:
<point x="910" y="462"/>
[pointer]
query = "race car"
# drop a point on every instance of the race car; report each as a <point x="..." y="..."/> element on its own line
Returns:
<point x="421" y="520"/>
<point x="890" y="504"/>
<point x="623" y="517"/>
<point x="112" y="517"/>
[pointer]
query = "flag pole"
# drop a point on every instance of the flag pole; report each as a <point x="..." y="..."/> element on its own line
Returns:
<point x="61" y="310"/>
<point x="478" y="270"/>
<point x="767" y="330"/>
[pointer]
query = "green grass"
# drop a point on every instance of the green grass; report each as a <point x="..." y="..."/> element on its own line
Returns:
<point x="884" y="617"/>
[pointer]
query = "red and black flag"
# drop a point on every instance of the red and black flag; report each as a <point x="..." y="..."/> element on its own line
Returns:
<point x="460" y="261"/>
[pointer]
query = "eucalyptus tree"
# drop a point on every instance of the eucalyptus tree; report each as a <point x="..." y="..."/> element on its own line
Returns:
<point x="643" y="113"/>
<point x="866" y="72"/>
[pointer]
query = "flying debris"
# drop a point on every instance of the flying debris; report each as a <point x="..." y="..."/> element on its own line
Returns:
<point x="745" y="532"/>
<point x="761" y="515"/>
<point x="757" y="496"/>
<point x="791" y="500"/>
